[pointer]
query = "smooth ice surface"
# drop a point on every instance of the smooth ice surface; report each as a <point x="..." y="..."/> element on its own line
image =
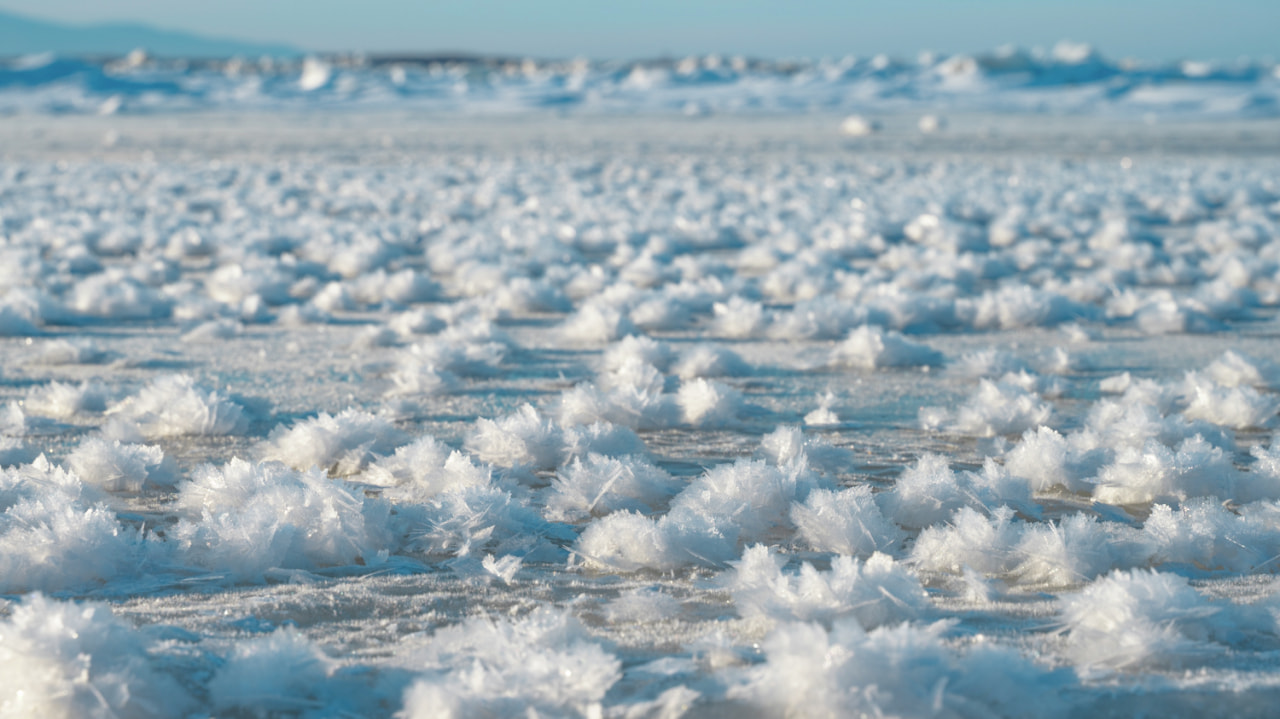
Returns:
<point x="738" y="413"/>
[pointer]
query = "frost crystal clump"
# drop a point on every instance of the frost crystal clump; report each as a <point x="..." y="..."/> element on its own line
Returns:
<point x="175" y="406"/>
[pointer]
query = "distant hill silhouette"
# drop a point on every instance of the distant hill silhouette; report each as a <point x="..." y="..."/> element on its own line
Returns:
<point x="24" y="36"/>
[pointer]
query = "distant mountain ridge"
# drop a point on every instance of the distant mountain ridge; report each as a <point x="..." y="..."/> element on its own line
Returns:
<point x="21" y="35"/>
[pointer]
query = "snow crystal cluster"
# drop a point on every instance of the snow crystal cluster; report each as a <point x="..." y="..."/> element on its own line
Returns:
<point x="608" y="426"/>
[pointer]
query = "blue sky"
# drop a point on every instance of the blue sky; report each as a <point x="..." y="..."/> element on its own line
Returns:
<point x="1144" y="29"/>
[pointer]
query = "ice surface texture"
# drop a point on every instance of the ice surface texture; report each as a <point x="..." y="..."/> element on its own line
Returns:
<point x="296" y="422"/>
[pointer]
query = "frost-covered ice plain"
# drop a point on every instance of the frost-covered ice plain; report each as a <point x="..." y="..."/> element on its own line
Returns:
<point x="378" y="412"/>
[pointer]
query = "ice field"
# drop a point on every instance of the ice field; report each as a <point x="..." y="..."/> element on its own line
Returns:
<point x="378" y="412"/>
<point x="1069" y="78"/>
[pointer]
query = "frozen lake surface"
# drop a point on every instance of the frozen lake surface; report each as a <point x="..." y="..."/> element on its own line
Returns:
<point x="358" y="414"/>
<point x="1069" y="78"/>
